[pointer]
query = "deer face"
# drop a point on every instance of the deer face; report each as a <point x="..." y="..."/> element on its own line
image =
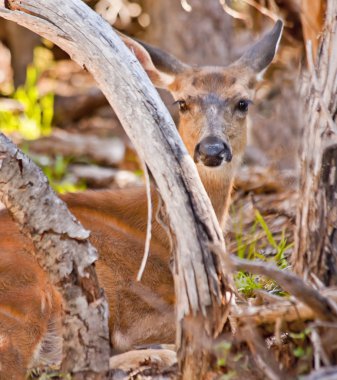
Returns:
<point x="213" y="101"/>
<point x="213" y="104"/>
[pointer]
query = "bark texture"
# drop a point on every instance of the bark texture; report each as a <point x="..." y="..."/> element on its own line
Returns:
<point x="316" y="236"/>
<point x="64" y="251"/>
<point x="200" y="282"/>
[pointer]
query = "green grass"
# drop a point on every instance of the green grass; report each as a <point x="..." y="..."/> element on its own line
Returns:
<point x="35" y="120"/>
<point x="250" y="247"/>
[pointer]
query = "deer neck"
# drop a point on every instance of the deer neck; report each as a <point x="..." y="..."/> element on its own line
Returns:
<point x="218" y="184"/>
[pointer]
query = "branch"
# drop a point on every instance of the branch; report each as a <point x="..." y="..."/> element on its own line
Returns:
<point x="284" y="309"/>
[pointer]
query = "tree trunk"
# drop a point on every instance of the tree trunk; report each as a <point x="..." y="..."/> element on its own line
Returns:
<point x="316" y="236"/>
<point x="201" y="286"/>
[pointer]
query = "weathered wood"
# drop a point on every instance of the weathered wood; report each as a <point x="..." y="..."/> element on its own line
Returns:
<point x="199" y="279"/>
<point x="282" y="309"/>
<point x="315" y="251"/>
<point x="64" y="251"/>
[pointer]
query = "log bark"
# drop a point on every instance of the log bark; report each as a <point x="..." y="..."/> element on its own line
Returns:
<point x="316" y="246"/>
<point x="199" y="278"/>
<point x="64" y="251"/>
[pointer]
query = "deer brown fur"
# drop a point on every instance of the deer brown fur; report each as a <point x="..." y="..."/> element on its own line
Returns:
<point x="213" y="105"/>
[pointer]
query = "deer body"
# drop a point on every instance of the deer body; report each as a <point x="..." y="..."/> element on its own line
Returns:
<point x="213" y="104"/>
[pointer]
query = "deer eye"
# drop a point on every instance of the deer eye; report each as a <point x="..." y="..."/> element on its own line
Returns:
<point x="242" y="105"/>
<point x="182" y="105"/>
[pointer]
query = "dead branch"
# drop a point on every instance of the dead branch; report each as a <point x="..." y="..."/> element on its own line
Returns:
<point x="199" y="279"/>
<point x="149" y="224"/>
<point x="284" y="309"/>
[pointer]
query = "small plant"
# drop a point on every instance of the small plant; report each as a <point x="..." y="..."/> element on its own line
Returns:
<point x="302" y="349"/>
<point x="230" y="360"/>
<point x="223" y="350"/>
<point x="33" y="116"/>
<point x="247" y="247"/>
<point x="280" y="247"/>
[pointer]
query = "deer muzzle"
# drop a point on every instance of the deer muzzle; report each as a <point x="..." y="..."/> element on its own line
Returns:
<point x="212" y="151"/>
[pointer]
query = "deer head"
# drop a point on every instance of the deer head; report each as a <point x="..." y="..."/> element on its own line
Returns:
<point x="213" y="104"/>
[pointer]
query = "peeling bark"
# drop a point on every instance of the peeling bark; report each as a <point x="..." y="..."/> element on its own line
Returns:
<point x="316" y="246"/>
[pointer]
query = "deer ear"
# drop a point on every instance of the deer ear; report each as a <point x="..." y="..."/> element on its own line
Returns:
<point x="261" y="54"/>
<point x="160" y="66"/>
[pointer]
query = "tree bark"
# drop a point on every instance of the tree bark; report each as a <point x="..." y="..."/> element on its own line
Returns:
<point x="64" y="251"/>
<point x="199" y="278"/>
<point x="316" y="236"/>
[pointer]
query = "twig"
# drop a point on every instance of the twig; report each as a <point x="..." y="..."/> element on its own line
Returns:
<point x="267" y="297"/>
<point x="235" y="14"/>
<point x="265" y="11"/>
<point x="319" y="352"/>
<point x="149" y="224"/>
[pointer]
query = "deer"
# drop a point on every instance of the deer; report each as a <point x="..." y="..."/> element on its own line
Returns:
<point x="213" y="104"/>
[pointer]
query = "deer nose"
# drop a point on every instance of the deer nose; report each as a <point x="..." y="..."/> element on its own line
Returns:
<point x="212" y="151"/>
